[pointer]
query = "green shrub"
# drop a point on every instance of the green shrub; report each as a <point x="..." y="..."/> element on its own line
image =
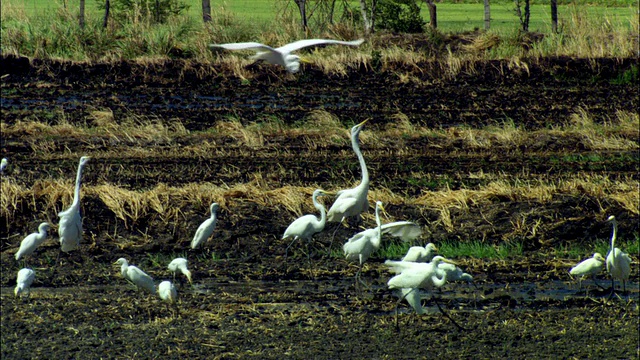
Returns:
<point x="399" y="16"/>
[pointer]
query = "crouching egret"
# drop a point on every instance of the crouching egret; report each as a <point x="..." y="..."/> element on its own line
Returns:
<point x="24" y="281"/>
<point x="618" y="262"/>
<point x="138" y="277"/>
<point x="282" y="56"/>
<point x="70" y="226"/>
<point x="590" y="267"/>
<point x="179" y="264"/>
<point x="421" y="254"/>
<point x="167" y="292"/>
<point x="306" y="226"/>
<point x="414" y="276"/>
<point x="206" y="228"/>
<point x="32" y="241"/>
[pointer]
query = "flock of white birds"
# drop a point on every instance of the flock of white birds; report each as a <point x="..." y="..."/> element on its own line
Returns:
<point x="419" y="269"/>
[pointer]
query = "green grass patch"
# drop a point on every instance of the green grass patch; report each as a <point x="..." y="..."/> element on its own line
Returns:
<point x="480" y="250"/>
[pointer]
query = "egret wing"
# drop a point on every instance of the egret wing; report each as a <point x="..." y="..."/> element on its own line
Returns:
<point x="312" y="42"/>
<point x="405" y="230"/>
<point x="244" y="46"/>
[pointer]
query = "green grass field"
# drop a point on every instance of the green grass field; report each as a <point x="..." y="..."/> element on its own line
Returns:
<point x="454" y="17"/>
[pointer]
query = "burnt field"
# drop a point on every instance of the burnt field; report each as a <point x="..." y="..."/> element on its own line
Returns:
<point x="530" y="157"/>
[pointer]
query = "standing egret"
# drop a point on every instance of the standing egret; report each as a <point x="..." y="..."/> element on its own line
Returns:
<point x="3" y="165"/>
<point x="24" y="281"/>
<point x="282" y="55"/>
<point x="306" y="226"/>
<point x="179" y="264"/>
<point x="206" y="228"/>
<point x="352" y="202"/>
<point x="618" y="262"/>
<point x="70" y="226"/>
<point x="167" y="292"/>
<point x="421" y="254"/>
<point x="32" y="241"/>
<point x="592" y="266"/>
<point x="414" y="276"/>
<point x="138" y="277"/>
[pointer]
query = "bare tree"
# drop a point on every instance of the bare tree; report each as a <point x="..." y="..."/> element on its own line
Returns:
<point x="105" y="20"/>
<point x="206" y="10"/>
<point x="302" y="8"/>
<point x="433" y="17"/>
<point x="554" y="16"/>
<point x="81" y="17"/>
<point x="524" y="18"/>
<point x="487" y="15"/>
<point x="368" y="12"/>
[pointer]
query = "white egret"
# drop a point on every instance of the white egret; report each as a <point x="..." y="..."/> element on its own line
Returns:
<point x="363" y="244"/>
<point x="24" y="281"/>
<point x="3" y="164"/>
<point x="454" y="273"/>
<point x="138" y="277"/>
<point x="282" y="56"/>
<point x="592" y="266"/>
<point x="414" y="276"/>
<point x="413" y="298"/>
<point x="352" y="202"/>
<point x="168" y="293"/>
<point x="421" y="254"/>
<point x="618" y="262"/>
<point x="32" y="241"/>
<point x="306" y="226"/>
<point x="70" y="226"/>
<point x="179" y="264"/>
<point x="206" y="228"/>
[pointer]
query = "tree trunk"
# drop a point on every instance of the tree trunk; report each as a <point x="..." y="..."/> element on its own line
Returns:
<point x="302" y="8"/>
<point x="527" y="14"/>
<point x="368" y="16"/>
<point x="81" y="17"/>
<point x="105" y="20"/>
<point x="554" y="16"/>
<point x="206" y="10"/>
<point x="433" y="16"/>
<point x="487" y="15"/>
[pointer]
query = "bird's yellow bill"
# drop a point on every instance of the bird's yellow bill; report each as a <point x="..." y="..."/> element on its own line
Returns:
<point x="305" y="60"/>
<point x="362" y="123"/>
<point x="450" y="262"/>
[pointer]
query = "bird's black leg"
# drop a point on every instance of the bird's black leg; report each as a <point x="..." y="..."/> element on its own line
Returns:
<point x="435" y="299"/>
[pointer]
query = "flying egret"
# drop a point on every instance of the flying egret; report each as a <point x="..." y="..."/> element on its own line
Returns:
<point x="421" y="254"/>
<point x="618" y="262"/>
<point x="167" y="292"/>
<point x="206" y="228"/>
<point x="306" y="226"/>
<point x="24" y="281"/>
<point x="352" y="202"/>
<point x="179" y="264"/>
<point x="282" y="56"/>
<point x="592" y="266"/>
<point x="70" y="226"/>
<point x="3" y="165"/>
<point x="414" y="276"/>
<point x="32" y="241"/>
<point x="138" y="277"/>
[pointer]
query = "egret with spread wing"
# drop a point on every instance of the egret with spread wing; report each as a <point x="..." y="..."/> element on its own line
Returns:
<point x="282" y="56"/>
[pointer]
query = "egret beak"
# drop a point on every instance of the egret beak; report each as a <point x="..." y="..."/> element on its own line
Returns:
<point x="328" y="193"/>
<point x="450" y="262"/>
<point x="435" y="248"/>
<point x="305" y="60"/>
<point x="362" y="123"/>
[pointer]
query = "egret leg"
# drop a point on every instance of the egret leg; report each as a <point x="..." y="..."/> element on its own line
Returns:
<point x="595" y="281"/>
<point x="286" y="252"/>
<point x="333" y="235"/>
<point x="435" y="299"/>
<point x="613" y="289"/>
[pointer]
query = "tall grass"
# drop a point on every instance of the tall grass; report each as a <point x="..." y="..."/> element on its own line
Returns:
<point x="57" y="35"/>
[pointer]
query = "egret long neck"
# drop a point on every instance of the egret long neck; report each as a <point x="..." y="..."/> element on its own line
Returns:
<point x="323" y="212"/>
<point x="613" y="241"/>
<point x="76" y="192"/>
<point x="379" y="228"/>
<point x="439" y="281"/>
<point x="363" y="165"/>
<point x="123" y="269"/>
